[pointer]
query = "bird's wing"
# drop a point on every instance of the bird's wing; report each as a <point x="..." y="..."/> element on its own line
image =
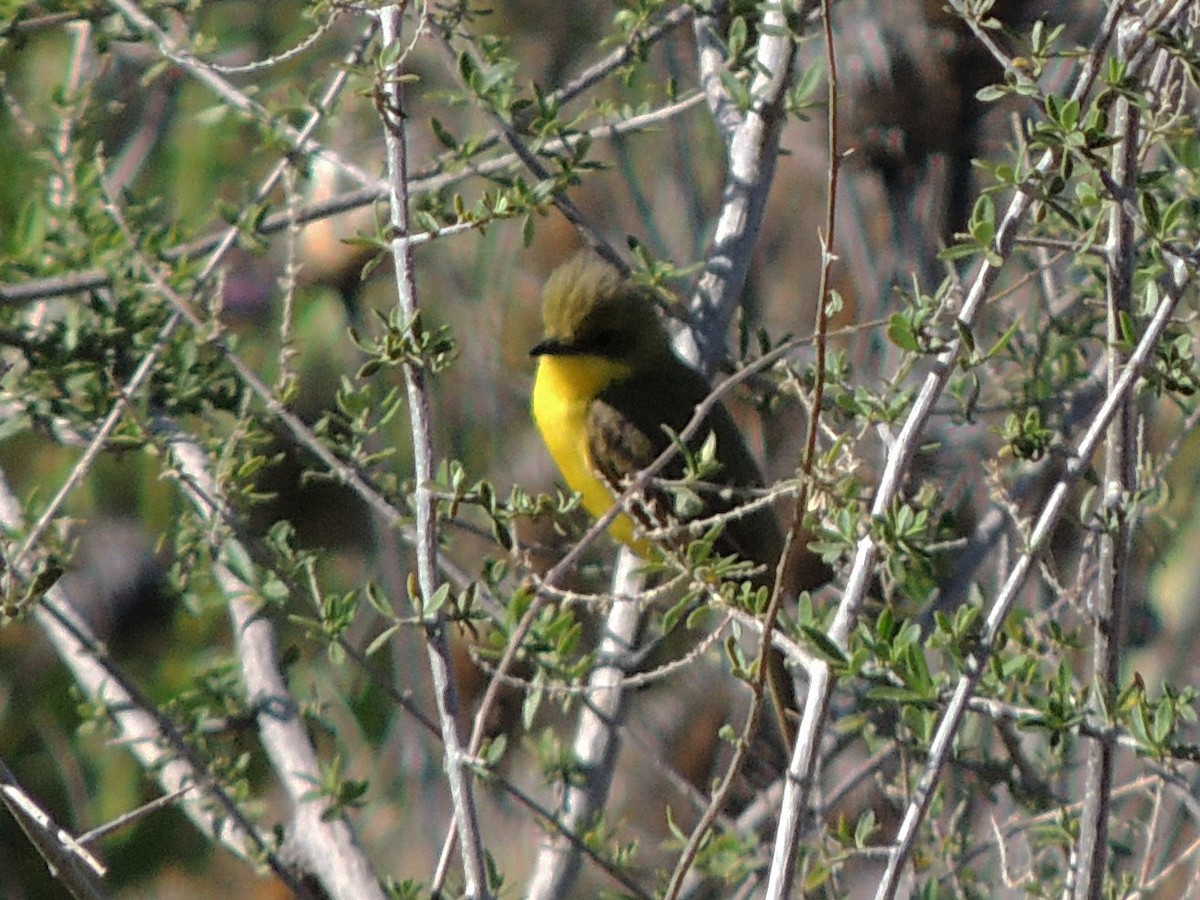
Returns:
<point x="625" y="435"/>
<point x="619" y="449"/>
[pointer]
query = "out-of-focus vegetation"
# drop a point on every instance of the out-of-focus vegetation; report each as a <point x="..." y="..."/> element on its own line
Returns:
<point x="210" y="565"/>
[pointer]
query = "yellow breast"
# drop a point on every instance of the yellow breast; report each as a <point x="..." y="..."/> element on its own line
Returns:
<point x="563" y="392"/>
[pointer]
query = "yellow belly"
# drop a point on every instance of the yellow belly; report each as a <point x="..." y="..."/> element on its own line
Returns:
<point x="563" y="391"/>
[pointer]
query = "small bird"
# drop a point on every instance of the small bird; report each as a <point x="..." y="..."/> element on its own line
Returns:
<point x="607" y="382"/>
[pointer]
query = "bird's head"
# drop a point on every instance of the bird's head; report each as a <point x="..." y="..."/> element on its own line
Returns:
<point x="589" y="309"/>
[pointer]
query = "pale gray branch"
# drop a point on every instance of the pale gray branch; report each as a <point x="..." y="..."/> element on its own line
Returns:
<point x="596" y="735"/>
<point x="158" y="747"/>
<point x="1181" y="275"/>
<point x="752" y="137"/>
<point x="328" y="849"/>
<point x="420" y="415"/>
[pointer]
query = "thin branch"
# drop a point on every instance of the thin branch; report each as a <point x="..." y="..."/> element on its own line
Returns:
<point x="301" y="138"/>
<point x="783" y="860"/>
<point x="561" y="201"/>
<point x="72" y="865"/>
<point x="753" y="140"/>
<point x="96" y="444"/>
<point x="801" y="771"/>
<point x="1112" y="593"/>
<point x="391" y="108"/>
<point x="348" y="201"/>
<point x="157" y="744"/>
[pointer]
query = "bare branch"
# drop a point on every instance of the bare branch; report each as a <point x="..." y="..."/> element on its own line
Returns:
<point x="753" y="141"/>
<point x="900" y="454"/>
<point x="1112" y="592"/>
<point x="421" y="422"/>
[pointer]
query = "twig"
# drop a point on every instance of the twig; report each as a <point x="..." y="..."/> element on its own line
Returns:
<point x="783" y="862"/>
<point x="1112" y="593"/>
<point x="94" y="279"/>
<point x="561" y="201"/>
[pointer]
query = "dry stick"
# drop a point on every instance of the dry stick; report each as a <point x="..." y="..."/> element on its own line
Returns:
<point x="816" y="707"/>
<point x="1112" y="594"/>
<point x="781" y="871"/>
<point x="113" y="825"/>
<point x="1181" y="272"/>
<point x="425" y="504"/>
<point x="753" y="140"/>
<point x="328" y="848"/>
<point x="80" y="68"/>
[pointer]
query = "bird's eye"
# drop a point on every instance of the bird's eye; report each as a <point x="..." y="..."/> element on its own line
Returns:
<point x="604" y="339"/>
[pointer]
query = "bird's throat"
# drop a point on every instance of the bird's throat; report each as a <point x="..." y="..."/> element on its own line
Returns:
<point x="563" y="392"/>
<point x="575" y="379"/>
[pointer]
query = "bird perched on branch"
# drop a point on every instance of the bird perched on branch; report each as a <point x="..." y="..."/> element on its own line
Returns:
<point x="608" y="388"/>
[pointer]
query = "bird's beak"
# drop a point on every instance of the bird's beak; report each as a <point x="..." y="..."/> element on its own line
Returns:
<point x="551" y="347"/>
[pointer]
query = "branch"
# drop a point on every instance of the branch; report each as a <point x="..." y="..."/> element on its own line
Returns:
<point x="1181" y="274"/>
<point x="94" y="279"/>
<point x="1120" y="479"/>
<point x="328" y="849"/>
<point x="301" y="138"/>
<point x="68" y="860"/>
<point x="425" y="504"/>
<point x="779" y="881"/>
<point x="900" y="454"/>
<point x="596" y="734"/>
<point x="753" y="142"/>
<point x="157" y="744"/>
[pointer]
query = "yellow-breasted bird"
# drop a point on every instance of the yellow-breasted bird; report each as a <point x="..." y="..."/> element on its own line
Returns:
<point x="607" y="382"/>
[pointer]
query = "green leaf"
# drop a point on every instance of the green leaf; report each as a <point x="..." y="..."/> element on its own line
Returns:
<point x="381" y="639"/>
<point x="433" y="605"/>
<point x="824" y="646"/>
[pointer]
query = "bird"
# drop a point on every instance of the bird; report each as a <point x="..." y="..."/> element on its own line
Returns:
<point x="608" y="387"/>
